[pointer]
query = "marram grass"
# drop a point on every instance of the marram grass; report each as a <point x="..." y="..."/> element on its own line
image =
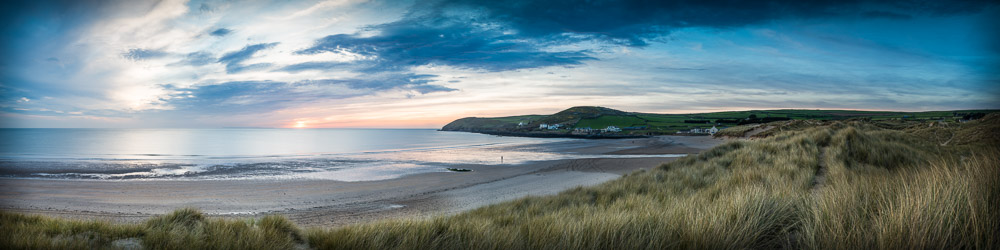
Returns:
<point x="182" y="229"/>
<point x="855" y="184"/>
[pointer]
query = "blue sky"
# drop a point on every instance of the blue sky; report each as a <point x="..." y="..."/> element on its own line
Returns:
<point x="357" y="63"/>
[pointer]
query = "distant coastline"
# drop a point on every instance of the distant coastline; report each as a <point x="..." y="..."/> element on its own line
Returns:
<point x="551" y="135"/>
<point x="592" y="122"/>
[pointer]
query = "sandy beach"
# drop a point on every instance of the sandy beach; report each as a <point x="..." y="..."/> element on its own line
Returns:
<point x="332" y="203"/>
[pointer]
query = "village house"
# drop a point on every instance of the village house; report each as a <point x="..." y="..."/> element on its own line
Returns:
<point x="710" y="131"/>
<point x="547" y="126"/>
<point x="612" y="129"/>
<point x="582" y="131"/>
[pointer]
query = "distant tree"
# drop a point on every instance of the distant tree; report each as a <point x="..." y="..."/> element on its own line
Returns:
<point x="771" y="119"/>
<point x="753" y="119"/>
<point x="736" y="120"/>
<point x="973" y="116"/>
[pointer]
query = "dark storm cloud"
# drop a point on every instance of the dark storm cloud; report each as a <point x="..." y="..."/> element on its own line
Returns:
<point x="234" y="60"/>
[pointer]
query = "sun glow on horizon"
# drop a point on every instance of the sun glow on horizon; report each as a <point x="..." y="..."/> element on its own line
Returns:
<point x="299" y="124"/>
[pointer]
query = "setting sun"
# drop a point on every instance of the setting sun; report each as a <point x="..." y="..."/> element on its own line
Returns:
<point x="300" y="124"/>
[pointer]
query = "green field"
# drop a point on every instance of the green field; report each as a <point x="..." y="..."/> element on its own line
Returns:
<point x="610" y="120"/>
<point x="520" y="118"/>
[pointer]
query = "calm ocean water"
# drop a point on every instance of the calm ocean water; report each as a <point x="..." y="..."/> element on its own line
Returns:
<point x="335" y="154"/>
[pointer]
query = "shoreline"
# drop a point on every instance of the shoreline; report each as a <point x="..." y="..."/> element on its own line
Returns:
<point x="334" y="203"/>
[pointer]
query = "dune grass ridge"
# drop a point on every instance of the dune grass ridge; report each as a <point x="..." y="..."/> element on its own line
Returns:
<point x="849" y="184"/>
<point x="185" y="228"/>
<point x="828" y="185"/>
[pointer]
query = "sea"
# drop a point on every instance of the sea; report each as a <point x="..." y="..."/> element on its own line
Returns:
<point x="244" y="153"/>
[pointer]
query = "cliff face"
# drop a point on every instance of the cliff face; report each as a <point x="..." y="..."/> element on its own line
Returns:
<point x="568" y="117"/>
<point x="476" y="124"/>
<point x="528" y="125"/>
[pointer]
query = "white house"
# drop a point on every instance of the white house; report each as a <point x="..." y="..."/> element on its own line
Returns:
<point x="712" y="130"/>
<point x="612" y="129"/>
<point x="555" y="126"/>
<point x="521" y="124"/>
<point x="543" y="126"/>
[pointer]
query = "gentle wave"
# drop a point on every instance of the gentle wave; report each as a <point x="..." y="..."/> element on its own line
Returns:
<point x="313" y="168"/>
<point x="192" y="154"/>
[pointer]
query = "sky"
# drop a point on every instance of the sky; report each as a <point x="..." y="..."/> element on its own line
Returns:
<point x="422" y="64"/>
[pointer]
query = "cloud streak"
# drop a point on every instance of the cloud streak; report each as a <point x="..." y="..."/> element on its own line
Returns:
<point x="142" y="54"/>
<point x="221" y="32"/>
<point x="265" y="96"/>
<point x="234" y="60"/>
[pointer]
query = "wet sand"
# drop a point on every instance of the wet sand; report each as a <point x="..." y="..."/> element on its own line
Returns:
<point x="332" y="203"/>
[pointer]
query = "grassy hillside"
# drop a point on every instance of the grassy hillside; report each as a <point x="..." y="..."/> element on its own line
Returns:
<point x="839" y="184"/>
<point x="611" y="120"/>
<point x="576" y="114"/>
<point x="600" y="117"/>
